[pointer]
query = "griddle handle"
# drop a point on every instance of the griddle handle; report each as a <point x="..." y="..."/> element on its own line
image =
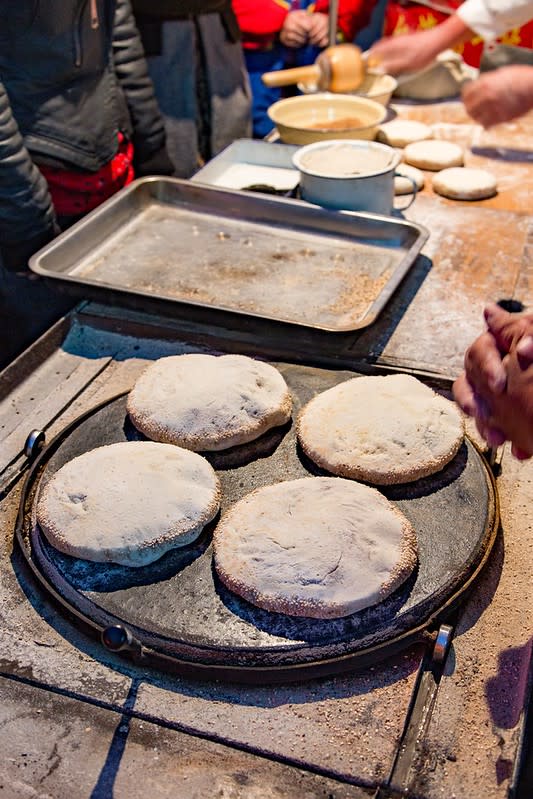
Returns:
<point x="443" y="640"/>
<point x="118" y="638"/>
<point x="34" y="444"/>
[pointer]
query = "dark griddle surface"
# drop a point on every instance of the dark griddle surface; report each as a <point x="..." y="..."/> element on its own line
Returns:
<point x="178" y="605"/>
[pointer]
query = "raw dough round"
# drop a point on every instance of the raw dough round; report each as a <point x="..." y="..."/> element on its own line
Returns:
<point x="382" y="430"/>
<point x="401" y="132"/>
<point x="433" y="154"/>
<point x="319" y="547"/>
<point x="404" y="186"/>
<point x="128" y="503"/>
<point x="463" y="183"/>
<point x="208" y="402"/>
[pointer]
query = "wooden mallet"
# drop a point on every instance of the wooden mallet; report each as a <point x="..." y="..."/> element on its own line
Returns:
<point x="339" y="68"/>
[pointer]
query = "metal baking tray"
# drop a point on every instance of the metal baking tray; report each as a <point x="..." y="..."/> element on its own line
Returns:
<point x="173" y="246"/>
<point x="252" y="162"/>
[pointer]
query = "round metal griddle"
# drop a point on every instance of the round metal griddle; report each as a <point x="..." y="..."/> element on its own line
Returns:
<point x="175" y="613"/>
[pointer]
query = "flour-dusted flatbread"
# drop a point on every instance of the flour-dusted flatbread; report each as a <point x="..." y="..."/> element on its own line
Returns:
<point x="404" y="178"/>
<point x="401" y="132"/>
<point x="128" y="503"/>
<point x="207" y="402"/>
<point x="462" y="183"/>
<point x="433" y="154"/>
<point x="319" y="547"/>
<point x="382" y="430"/>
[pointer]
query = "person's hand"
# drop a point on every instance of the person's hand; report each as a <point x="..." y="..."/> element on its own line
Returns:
<point x="408" y="52"/>
<point x="483" y="378"/>
<point x="319" y="30"/>
<point x="295" y="30"/>
<point x="500" y="95"/>
<point x="414" y="51"/>
<point x="497" y="385"/>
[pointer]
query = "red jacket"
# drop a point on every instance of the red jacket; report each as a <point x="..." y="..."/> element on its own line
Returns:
<point x="260" y="21"/>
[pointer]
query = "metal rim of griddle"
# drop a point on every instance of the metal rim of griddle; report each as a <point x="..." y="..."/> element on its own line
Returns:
<point x="132" y="643"/>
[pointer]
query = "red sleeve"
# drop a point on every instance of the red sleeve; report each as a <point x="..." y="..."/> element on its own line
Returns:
<point x="354" y="15"/>
<point x="259" y="18"/>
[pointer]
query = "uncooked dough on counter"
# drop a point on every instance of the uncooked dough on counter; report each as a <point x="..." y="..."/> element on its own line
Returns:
<point x="463" y="183"/>
<point x="433" y="154"/>
<point x="402" y="184"/>
<point x="401" y="132"/>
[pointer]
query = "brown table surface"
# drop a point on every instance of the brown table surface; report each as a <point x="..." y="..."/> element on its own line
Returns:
<point x="76" y="721"/>
<point x="505" y="150"/>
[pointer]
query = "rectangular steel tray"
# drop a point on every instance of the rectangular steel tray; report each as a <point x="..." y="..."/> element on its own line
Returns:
<point x="248" y="162"/>
<point x="172" y="246"/>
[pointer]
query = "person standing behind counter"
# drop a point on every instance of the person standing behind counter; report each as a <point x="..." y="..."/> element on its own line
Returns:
<point x="196" y="64"/>
<point x="78" y="118"/>
<point x="497" y="96"/>
<point x="278" y="34"/>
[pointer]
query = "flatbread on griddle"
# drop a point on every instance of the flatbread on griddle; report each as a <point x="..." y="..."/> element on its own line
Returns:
<point x="381" y="430"/>
<point x="207" y="402"/>
<point x="317" y="547"/>
<point x="128" y="503"/>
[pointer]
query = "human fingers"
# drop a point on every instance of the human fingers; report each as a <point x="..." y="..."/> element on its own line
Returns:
<point x="492" y="435"/>
<point x="291" y="38"/>
<point x="463" y="394"/>
<point x="524" y="350"/>
<point x="474" y="405"/>
<point x="408" y="52"/>
<point x="319" y="29"/>
<point x="294" y="32"/>
<point x="520" y="454"/>
<point x="298" y="21"/>
<point x="500" y="95"/>
<point x="393" y="55"/>
<point x="484" y="366"/>
<point x="482" y="104"/>
<point x="508" y="328"/>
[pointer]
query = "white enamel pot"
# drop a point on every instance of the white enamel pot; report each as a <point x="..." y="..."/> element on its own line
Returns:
<point x="349" y="175"/>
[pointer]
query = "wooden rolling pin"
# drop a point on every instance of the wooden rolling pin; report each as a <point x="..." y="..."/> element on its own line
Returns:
<point x="339" y="68"/>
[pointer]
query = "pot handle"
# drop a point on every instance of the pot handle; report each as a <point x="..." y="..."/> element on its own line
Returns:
<point x="415" y="191"/>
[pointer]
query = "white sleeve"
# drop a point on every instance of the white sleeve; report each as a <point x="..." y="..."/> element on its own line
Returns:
<point x="491" y="18"/>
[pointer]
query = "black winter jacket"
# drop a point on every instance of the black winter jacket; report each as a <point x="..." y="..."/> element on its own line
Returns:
<point x="72" y="75"/>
